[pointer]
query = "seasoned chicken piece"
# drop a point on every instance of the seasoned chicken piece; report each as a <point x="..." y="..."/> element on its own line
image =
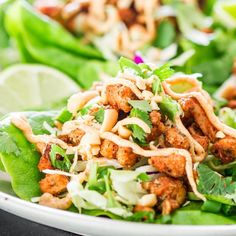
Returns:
<point x="232" y="104"/>
<point x="73" y="138"/>
<point x="108" y="149"/>
<point x="170" y="191"/>
<point x="118" y="97"/>
<point x="126" y="157"/>
<point x="45" y="162"/>
<point x="191" y="107"/>
<point x="158" y="126"/>
<point x="225" y="149"/>
<point x="173" y="138"/>
<point x="53" y="184"/>
<point x="128" y="16"/>
<point x="52" y="11"/>
<point x="173" y="165"/>
<point x="199" y="136"/>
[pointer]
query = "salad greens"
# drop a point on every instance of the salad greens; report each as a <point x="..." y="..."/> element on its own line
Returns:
<point x="215" y="186"/>
<point x="19" y="157"/>
<point x="40" y="39"/>
<point x="43" y="40"/>
<point x="111" y="191"/>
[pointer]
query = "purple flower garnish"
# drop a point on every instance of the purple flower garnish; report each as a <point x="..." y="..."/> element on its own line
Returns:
<point x="138" y="59"/>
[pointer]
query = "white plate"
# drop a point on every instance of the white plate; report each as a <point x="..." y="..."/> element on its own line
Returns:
<point x="88" y="225"/>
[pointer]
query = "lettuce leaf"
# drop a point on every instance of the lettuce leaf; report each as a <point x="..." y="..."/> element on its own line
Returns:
<point x="41" y="39"/>
<point x="215" y="186"/>
<point x="21" y="161"/>
<point x="192" y="215"/>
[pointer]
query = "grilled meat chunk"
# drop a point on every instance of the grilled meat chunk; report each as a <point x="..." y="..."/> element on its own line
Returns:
<point x="118" y="97"/>
<point x="173" y="165"/>
<point x="45" y="162"/>
<point x="192" y="108"/>
<point x="199" y="136"/>
<point x="171" y="192"/>
<point x="73" y="138"/>
<point x="158" y="126"/>
<point x="225" y="149"/>
<point x="108" y="149"/>
<point x="126" y="157"/>
<point x="173" y="138"/>
<point x="53" y="184"/>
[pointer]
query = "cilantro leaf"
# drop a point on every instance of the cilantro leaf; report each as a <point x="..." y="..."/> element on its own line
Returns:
<point x="99" y="115"/>
<point x="8" y="145"/>
<point x="126" y="63"/>
<point x="63" y="164"/>
<point x="142" y="105"/>
<point x="137" y="132"/>
<point x="164" y="72"/>
<point x="213" y="184"/>
<point x="169" y="107"/>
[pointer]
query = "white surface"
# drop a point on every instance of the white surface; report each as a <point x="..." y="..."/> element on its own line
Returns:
<point x="88" y="225"/>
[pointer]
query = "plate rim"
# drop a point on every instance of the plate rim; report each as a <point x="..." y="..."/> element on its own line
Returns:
<point x="5" y="198"/>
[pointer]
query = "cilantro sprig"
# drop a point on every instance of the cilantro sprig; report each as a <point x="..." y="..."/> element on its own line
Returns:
<point x="8" y="145"/>
<point x="215" y="186"/>
<point x="142" y="105"/>
<point x="137" y="132"/>
<point x="164" y="72"/>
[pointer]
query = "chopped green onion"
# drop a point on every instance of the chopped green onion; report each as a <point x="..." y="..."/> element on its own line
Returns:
<point x="211" y="206"/>
<point x="144" y="177"/>
<point x="64" y="116"/>
<point x="99" y="115"/>
<point x="84" y="111"/>
<point x="99" y="187"/>
<point x="93" y="174"/>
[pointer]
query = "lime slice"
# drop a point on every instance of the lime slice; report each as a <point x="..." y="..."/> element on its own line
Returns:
<point x="25" y="87"/>
<point x="225" y="12"/>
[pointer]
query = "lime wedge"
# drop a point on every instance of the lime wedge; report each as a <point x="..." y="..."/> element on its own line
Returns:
<point x="25" y="87"/>
<point x="225" y="12"/>
<point x="231" y="9"/>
